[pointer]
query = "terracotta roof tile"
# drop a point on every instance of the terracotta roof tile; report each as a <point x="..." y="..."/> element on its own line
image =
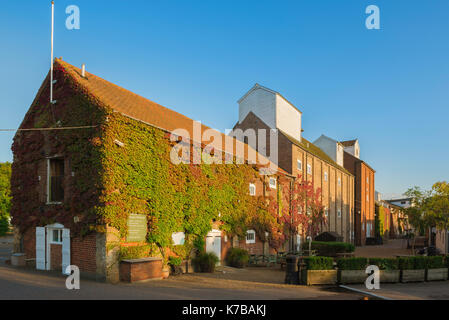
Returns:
<point x="144" y="110"/>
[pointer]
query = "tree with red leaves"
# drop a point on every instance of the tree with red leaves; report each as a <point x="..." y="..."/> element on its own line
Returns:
<point x="305" y="215"/>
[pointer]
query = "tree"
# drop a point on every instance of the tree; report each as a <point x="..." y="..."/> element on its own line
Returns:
<point x="430" y="208"/>
<point x="305" y="215"/>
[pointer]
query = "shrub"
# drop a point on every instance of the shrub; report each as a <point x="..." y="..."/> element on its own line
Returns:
<point x="205" y="262"/>
<point x="237" y="257"/>
<point x="330" y="249"/>
<point x="352" y="263"/>
<point x="134" y="252"/>
<point x="412" y="263"/>
<point x="420" y="262"/>
<point x="385" y="263"/>
<point x="435" y="262"/>
<point x="174" y="261"/>
<point x="4" y="225"/>
<point x="319" y="263"/>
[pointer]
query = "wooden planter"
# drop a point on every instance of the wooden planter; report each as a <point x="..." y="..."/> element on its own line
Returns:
<point x="437" y="274"/>
<point x="413" y="275"/>
<point x="186" y="266"/>
<point x="390" y="276"/>
<point x="316" y="277"/>
<point x="351" y="276"/>
<point x="140" y="269"/>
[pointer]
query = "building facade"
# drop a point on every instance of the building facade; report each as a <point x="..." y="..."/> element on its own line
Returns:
<point x="261" y="110"/>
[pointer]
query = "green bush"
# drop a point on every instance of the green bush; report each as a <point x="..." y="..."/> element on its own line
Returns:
<point x="134" y="252"/>
<point x="352" y="263"/>
<point x="330" y="249"/>
<point x="205" y="262"/>
<point x="435" y="262"/>
<point x="319" y="263"/>
<point x="174" y="261"/>
<point x="385" y="263"/>
<point x="4" y="225"/>
<point x="237" y="258"/>
<point x="412" y="263"/>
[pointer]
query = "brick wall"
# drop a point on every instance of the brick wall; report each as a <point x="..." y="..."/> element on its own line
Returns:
<point x="82" y="251"/>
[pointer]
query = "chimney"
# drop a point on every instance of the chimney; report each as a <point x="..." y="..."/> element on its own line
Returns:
<point x="83" y="70"/>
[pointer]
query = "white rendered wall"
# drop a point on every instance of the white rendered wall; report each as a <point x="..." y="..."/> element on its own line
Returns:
<point x="288" y="118"/>
<point x="262" y="103"/>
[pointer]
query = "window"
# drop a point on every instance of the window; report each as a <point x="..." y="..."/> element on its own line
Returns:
<point x="325" y="176"/>
<point x="339" y="181"/>
<point x="178" y="238"/>
<point x="367" y="180"/>
<point x="252" y="189"/>
<point x="326" y="212"/>
<point x="250" y="236"/>
<point x="309" y="169"/>
<point x="367" y="197"/>
<point x="299" y="164"/>
<point x="57" y="236"/>
<point x="339" y="213"/>
<point x="273" y="183"/>
<point x="55" y="190"/>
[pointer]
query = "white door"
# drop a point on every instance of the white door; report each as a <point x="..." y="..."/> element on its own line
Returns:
<point x="65" y="249"/>
<point x="40" y="248"/>
<point x="213" y="244"/>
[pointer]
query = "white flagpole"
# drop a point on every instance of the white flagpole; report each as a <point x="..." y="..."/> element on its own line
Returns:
<point x="51" y="66"/>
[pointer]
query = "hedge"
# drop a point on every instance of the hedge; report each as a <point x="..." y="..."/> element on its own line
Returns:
<point x="435" y="262"/>
<point x="385" y="263"/>
<point x="330" y="249"/>
<point x="134" y="252"/>
<point x="237" y="258"/>
<point x="413" y="263"/>
<point x="319" y="263"/>
<point x="352" y="263"/>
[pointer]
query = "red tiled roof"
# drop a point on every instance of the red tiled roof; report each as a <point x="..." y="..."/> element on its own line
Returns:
<point x="144" y="110"/>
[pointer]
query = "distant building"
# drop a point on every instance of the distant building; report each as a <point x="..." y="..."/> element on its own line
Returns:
<point x="401" y="202"/>
<point x="263" y="108"/>
<point x="347" y="154"/>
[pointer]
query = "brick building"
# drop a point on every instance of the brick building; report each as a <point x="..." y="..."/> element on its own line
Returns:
<point x="57" y="182"/>
<point x="261" y="110"/>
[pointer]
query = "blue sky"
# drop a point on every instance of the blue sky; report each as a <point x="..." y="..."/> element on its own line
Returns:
<point x="388" y="87"/>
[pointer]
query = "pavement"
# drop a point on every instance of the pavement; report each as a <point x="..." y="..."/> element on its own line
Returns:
<point x="390" y="249"/>
<point x="22" y="283"/>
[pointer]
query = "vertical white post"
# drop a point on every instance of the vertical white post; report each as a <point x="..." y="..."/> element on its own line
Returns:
<point x="51" y="66"/>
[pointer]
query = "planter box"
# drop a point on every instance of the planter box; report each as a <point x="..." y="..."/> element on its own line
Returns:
<point x="413" y="275"/>
<point x="351" y="276"/>
<point x="140" y="269"/>
<point x="313" y="277"/>
<point x="390" y="276"/>
<point x="437" y="274"/>
<point x="18" y="259"/>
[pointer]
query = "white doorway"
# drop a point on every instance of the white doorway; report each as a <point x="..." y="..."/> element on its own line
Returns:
<point x="53" y="235"/>
<point x="213" y="243"/>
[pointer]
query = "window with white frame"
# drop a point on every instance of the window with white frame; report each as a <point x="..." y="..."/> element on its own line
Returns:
<point x="299" y="164"/>
<point x="250" y="236"/>
<point x="325" y="176"/>
<point x="252" y="189"/>
<point x="326" y="212"/>
<point x="56" y="236"/>
<point x="339" y="213"/>
<point x="272" y="183"/>
<point x="309" y="169"/>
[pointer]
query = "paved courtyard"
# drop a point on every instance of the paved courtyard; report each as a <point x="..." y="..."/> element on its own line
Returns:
<point x="388" y="250"/>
